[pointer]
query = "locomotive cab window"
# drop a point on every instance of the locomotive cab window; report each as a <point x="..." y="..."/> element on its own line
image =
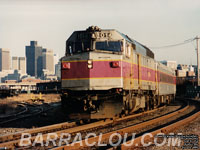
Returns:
<point x="77" y="47"/>
<point x="115" y="46"/>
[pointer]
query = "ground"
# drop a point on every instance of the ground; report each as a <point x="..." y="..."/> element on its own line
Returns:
<point x="57" y="116"/>
<point x="53" y="116"/>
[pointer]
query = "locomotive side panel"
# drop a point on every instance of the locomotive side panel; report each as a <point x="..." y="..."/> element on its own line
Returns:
<point x="139" y="74"/>
<point x="127" y="68"/>
<point x="135" y="71"/>
<point x="148" y="78"/>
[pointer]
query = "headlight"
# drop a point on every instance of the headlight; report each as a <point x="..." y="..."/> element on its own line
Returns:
<point x="90" y="64"/>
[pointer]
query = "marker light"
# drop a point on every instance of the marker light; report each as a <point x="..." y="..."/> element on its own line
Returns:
<point x="65" y="65"/>
<point x="115" y="64"/>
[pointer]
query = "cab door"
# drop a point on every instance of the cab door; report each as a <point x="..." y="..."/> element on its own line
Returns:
<point x="139" y="70"/>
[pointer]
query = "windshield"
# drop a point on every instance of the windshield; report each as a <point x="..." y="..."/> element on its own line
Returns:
<point x="77" y="47"/>
<point x="115" y="46"/>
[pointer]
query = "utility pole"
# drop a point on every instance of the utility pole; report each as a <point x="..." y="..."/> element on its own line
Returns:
<point x="198" y="73"/>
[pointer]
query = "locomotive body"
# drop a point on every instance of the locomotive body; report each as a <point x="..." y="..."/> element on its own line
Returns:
<point x="105" y="73"/>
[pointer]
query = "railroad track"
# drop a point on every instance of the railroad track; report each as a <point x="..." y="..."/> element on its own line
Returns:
<point x="28" y="111"/>
<point x="12" y="141"/>
<point x="163" y="124"/>
<point x="24" y="109"/>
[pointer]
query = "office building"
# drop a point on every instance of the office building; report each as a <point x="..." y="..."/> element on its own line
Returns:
<point x="15" y="65"/>
<point x="34" y="59"/>
<point x="48" y="61"/>
<point x="19" y="63"/>
<point x="4" y="59"/>
<point x="22" y="65"/>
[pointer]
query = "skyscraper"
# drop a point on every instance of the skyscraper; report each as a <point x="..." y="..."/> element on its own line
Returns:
<point x="4" y="59"/>
<point x="15" y="65"/>
<point x="48" y="60"/>
<point x="34" y="59"/>
<point x="22" y="64"/>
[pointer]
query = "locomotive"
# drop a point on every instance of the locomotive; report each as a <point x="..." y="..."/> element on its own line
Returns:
<point x="105" y="73"/>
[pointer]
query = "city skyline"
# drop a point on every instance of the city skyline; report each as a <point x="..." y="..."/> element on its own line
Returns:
<point x="48" y="59"/>
<point x="38" y="63"/>
<point x="153" y="23"/>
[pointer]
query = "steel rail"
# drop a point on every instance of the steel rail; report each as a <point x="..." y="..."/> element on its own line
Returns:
<point x="16" y="114"/>
<point x="164" y="130"/>
<point x="10" y="143"/>
<point x="45" y="129"/>
<point x="105" y="137"/>
<point x="40" y="110"/>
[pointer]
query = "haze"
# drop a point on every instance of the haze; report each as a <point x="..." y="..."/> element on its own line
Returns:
<point x="152" y="23"/>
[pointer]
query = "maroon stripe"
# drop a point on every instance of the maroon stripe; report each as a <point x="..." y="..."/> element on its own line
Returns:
<point x="148" y="74"/>
<point x="100" y="69"/>
<point x="77" y="70"/>
<point x="103" y="69"/>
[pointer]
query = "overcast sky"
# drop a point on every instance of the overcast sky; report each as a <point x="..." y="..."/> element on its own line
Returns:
<point x="150" y="22"/>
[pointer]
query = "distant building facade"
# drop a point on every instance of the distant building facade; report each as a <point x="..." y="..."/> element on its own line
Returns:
<point x="170" y="64"/>
<point x="4" y="59"/>
<point x="48" y="61"/>
<point x="58" y="70"/>
<point x="22" y="64"/>
<point x="15" y="76"/>
<point x="15" y="64"/>
<point x="56" y="59"/>
<point x="185" y="70"/>
<point x="19" y="63"/>
<point x="34" y="59"/>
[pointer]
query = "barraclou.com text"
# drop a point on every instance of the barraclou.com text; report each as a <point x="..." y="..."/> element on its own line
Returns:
<point x="53" y="139"/>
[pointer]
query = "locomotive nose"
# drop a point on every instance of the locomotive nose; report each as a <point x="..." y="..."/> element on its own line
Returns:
<point x="92" y="72"/>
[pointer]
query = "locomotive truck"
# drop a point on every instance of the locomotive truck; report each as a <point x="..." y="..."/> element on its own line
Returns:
<point x="105" y="73"/>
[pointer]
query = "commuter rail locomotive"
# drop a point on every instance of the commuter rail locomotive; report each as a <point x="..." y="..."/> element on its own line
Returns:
<point x="105" y="74"/>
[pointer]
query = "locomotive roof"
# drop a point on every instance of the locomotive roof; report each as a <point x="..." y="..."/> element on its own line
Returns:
<point x="140" y="48"/>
